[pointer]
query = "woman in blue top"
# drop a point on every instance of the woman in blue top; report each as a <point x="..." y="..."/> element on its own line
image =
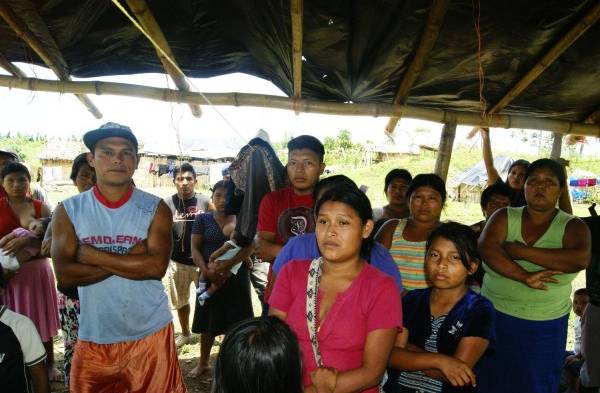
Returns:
<point x="449" y="327"/>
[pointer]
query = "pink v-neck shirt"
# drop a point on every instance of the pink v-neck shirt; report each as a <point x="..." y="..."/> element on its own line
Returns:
<point x="370" y="303"/>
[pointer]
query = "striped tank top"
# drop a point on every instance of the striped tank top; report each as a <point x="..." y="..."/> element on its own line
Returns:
<point x="410" y="259"/>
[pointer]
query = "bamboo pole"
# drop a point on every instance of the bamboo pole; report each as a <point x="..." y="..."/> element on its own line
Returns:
<point x="10" y="67"/>
<point x="442" y="161"/>
<point x="55" y="62"/>
<point x="562" y="45"/>
<point x="428" y="39"/>
<point x="146" y="18"/>
<point x="297" y="15"/>
<point x="303" y="105"/>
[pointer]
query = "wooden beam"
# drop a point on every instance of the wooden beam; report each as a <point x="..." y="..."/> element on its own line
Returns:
<point x="10" y="67"/>
<point x="558" y="49"/>
<point x="428" y="39"/>
<point x="442" y="162"/>
<point x="556" y="145"/>
<point x="302" y="105"/>
<point x="148" y="22"/>
<point x="297" y="14"/>
<point x="55" y="62"/>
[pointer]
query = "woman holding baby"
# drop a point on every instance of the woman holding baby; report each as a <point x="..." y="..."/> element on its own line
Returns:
<point x="31" y="289"/>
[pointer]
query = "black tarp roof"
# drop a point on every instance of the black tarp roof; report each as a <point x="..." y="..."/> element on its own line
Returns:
<point x="354" y="50"/>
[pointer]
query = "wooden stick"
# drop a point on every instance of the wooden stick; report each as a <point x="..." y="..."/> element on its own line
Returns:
<point x="428" y="39"/>
<point x="148" y="22"/>
<point x="442" y="161"/>
<point x="10" y="67"/>
<point x="562" y="45"/>
<point x="303" y="105"/>
<point x="297" y="14"/>
<point x="55" y="62"/>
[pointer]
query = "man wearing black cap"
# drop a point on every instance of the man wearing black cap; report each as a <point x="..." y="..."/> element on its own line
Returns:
<point x="114" y="242"/>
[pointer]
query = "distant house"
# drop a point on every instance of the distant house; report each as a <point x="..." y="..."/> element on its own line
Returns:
<point x="57" y="158"/>
<point x="155" y="167"/>
<point x="391" y="148"/>
<point x="208" y="158"/>
<point x="468" y="185"/>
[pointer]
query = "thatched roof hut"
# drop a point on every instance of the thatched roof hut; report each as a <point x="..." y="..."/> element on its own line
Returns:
<point x="57" y="158"/>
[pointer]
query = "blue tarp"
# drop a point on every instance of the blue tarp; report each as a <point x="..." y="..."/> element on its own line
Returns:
<point x="477" y="175"/>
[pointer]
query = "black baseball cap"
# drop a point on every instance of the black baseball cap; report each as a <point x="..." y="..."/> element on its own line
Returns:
<point x="109" y="130"/>
<point x="10" y="152"/>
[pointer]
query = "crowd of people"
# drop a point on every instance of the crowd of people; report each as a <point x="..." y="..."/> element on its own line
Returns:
<point x="354" y="298"/>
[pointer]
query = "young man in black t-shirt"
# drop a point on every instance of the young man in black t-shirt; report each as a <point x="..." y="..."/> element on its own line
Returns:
<point x="185" y="205"/>
<point x="22" y="354"/>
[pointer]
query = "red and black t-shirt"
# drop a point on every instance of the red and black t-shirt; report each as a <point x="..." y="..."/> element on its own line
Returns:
<point x="286" y="214"/>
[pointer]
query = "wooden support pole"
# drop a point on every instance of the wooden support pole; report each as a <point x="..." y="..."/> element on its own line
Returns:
<point x="428" y="39"/>
<point x="442" y="162"/>
<point x="558" y="49"/>
<point x="55" y="62"/>
<point x="10" y="67"/>
<point x="303" y="105"/>
<point x="148" y="22"/>
<point x="297" y="14"/>
<point x="556" y="145"/>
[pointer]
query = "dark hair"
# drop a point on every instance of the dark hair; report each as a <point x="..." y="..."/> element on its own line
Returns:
<point x="427" y="180"/>
<point x="396" y="174"/>
<point x="2" y="283"/>
<point x="582" y="292"/>
<point x="259" y="355"/>
<point x="78" y="162"/>
<point x="356" y="199"/>
<point x="524" y="163"/>
<point x="307" y="142"/>
<point x="546" y="163"/>
<point x="464" y="239"/>
<point x="185" y="167"/>
<point x="331" y="181"/>
<point x="219" y="184"/>
<point x="498" y="188"/>
<point x="15" y="167"/>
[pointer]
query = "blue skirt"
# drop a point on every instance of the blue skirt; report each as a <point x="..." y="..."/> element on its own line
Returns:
<point x="528" y="356"/>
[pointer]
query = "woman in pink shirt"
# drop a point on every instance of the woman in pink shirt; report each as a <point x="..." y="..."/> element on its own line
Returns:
<point x="344" y="312"/>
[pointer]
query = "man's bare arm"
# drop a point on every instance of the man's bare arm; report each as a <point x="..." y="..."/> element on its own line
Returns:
<point x="69" y="272"/>
<point x="266" y="247"/>
<point x="149" y="265"/>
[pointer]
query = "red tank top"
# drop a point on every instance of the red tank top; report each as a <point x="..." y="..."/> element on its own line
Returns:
<point x="8" y="218"/>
